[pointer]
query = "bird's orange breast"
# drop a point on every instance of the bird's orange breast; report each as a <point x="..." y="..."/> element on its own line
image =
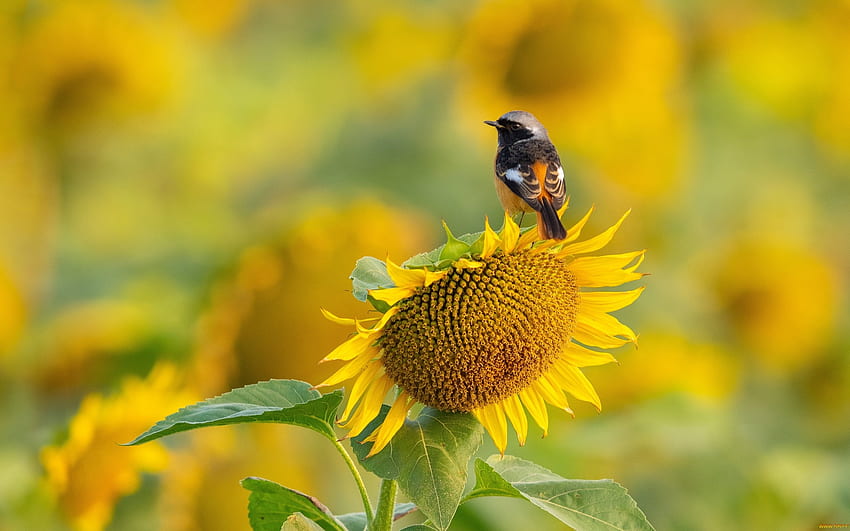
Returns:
<point x="511" y="202"/>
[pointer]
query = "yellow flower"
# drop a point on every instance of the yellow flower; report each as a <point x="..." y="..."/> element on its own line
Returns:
<point x="13" y="313"/>
<point x="600" y="73"/>
<point x="89" y="472"/>
<point x="394" y="48"/>
<point x="785" y="325"/>
<point x="212" y="19"/>
<point x="795" y="62"/>
<point x="677" y="365"/>
<point x="250" y="309"/>
<point x="497" y="328"/>
<point x="77" y="60"/>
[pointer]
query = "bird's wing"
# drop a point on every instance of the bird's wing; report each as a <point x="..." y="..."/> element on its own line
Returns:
<point x="522" y="181"/>
<point x="553" y="183"/>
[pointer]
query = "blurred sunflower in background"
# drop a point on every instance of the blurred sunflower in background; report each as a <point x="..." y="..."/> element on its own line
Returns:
<point x="88" y="472"/>
<point x="160" y="166"/>
<point x="80" y="61"/>
<point x="495" y="326"/>
<point x="785" y="325"/>
<point x="251" y="306"/>
<point x="792" y="60"/>
<point x="605" y="74"/>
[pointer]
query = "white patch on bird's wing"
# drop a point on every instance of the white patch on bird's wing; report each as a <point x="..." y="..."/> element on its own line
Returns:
<point x="514" y="175"/>
<point x="560" y="173"/>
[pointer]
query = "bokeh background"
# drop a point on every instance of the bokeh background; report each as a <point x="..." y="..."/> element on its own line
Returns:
<point x="183" y="184"/>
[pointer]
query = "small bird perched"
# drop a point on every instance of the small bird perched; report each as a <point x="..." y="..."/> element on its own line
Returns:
<point x="529" y="176"/>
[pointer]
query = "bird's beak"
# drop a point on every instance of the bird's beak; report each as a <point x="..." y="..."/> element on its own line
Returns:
<point x="497" y="125"/>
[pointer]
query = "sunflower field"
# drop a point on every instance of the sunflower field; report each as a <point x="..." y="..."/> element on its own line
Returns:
<point x="196" y="197"/>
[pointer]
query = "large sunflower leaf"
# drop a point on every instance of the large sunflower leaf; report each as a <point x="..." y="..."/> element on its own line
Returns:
<point x="428" y="457"/>
<point x="271" y="506"/>
<point x="369" y="273"/>
<point x="592" y="505"/>
<point x="281" y="401"/>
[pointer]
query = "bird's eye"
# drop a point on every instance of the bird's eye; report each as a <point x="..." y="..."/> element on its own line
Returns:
<point x="515" y="127"/>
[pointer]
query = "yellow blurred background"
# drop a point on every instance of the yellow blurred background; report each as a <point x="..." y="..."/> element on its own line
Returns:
<point x="183" y="184"/>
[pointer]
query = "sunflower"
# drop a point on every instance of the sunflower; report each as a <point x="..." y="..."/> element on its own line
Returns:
<point x="88" y="473"/>
<point x="83" y="60"/>
<point x="492" y="324"/>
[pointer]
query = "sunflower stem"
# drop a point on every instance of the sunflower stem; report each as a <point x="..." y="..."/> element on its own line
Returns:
<point x="386" y="507"/>
<point x="364" y="494"/>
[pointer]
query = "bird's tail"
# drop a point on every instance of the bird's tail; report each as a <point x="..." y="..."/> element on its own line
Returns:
<point x="548" y="224"/>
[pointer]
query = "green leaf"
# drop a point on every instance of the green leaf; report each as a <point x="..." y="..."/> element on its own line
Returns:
<point x="592" y="505"/>
<point x="281" y="401"/>
<point x="299" y="522"/>
<point x="271" y="504"/>
<point x="418" y="527"/>
<point x="424" y="260"/>
<point x="357" y="521"/>
<point x="428" y="457"/>
<point x="369" y="273"/>
<point x="453" y="248"/>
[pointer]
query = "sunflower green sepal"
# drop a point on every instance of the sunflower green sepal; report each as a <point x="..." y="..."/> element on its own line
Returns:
<point x="453" y="248"/>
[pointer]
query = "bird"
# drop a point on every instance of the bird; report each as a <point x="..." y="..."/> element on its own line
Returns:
<point x="529" y="176"/>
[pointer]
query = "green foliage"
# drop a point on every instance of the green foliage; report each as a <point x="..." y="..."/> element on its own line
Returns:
<point x="369" y="273"/>
<point x="280" y="401"/>
<point x="428" y="457"/>
<point x="453" y="248"/>
<point x="270" y="506"/>
<point x="357" y="521"/>
<point x="592" y="505"/>
<point x="299" y="522"/>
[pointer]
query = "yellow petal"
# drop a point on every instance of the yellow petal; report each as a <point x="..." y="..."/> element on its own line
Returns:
<point x="405" y="278"/>
<point x="610" y="270"/>
<point x="608" y="301"/>
<point x="392" y="295"/>
<point x="392" y="423"/>
<point x="433" y="276"/>
<point x="361" y="384"/>
<point x="575" y="382"/>
<point x="492" y="417"/>
<point x="527" y="238"/>
<point x="595" y="243"/>
<point x="551" y="392"/>
<point x="351" y="368"/>
<point x="591" y="336"/>
<point x="465" y="263"/>
<point x="491" y="240"/>
<point x="369" y="406"/>
<point x="516" y="414"/>
<point x="580" y="356"/>
<point x="377" y="327"/>
<point x="605" y="323"/>
<point x="574" y="231"/>
<point x="350" y="348"/>
<point x="535" y="405"/>
<point x="510" y="234"/>
<point x="338" y="320"/>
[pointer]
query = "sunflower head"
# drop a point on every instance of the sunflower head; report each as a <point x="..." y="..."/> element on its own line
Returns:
<point x="495" y="324"/>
